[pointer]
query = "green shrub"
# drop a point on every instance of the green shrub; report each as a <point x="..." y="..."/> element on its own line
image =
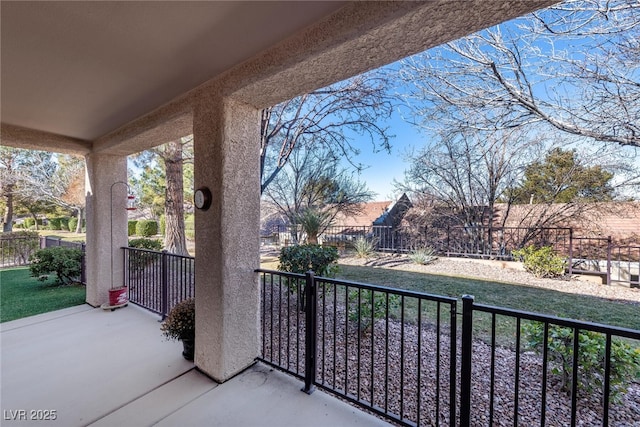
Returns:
<point x="64" y="223"/>
<point x="312" y="222"/>
<point x="541" y="262"/>
<point x="139" y="260"/>
<point x="66" y="263"/>
<point x="362" y="302"/>
<point x="365" y="248"/>
<point x="29" y="222"/>
<point x="73" y="224"/>
<point x="55" y="224"/>
<point x="624" y="362"/>
<point x="144" y="243"/>
<point x="302" y="258"/>
<point x="131" y="228"/>
<point x="423" y="256"/>
<point x="146" y="228"/>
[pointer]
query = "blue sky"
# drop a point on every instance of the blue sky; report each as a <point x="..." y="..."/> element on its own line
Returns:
<point x="386" y="167"/>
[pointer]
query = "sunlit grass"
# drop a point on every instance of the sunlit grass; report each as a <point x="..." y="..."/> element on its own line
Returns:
<point x="22" y="295"/>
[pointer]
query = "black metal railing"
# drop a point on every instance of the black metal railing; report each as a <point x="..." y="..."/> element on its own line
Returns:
<point x="15" y="250"/>
<point x="157" y="280"/>
<point x="546" y="350"/>
<point x="395" y="353"/>
<point x="585" y="255"/>
<point x="389" y="350"/>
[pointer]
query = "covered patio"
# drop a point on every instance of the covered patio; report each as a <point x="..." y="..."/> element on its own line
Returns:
<point x="85" y="366"/>
<point x="108" y="79"/>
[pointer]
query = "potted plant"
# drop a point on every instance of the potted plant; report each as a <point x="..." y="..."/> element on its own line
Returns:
<point x="180" y="325"/>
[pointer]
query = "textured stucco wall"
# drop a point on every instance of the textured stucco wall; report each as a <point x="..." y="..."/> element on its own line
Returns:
<point x="103" y="229"/>
<point x="226" y="141"/>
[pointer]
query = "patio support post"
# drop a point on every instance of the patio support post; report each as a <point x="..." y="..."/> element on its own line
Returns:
<point x="226" y="147"/>
<point x="102" y="171"/>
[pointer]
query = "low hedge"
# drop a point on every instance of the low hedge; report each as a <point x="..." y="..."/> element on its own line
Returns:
<point x="146" y="228"/>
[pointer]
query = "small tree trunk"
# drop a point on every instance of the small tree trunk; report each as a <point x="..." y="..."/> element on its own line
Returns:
<point x="174" y="237"/>
<point x="7" y="219"/>
<point x="80" y="218"/>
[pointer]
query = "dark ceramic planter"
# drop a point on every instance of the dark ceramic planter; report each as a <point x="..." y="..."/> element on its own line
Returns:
<point x="188" y="347"/>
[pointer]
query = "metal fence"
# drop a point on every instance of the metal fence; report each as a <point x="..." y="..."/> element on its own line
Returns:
<point x="338" y="336"/>
<point x="585" y="255"/>
<point x="588" y="357"/>
<point x="15" y="250"/>
<point x="601" y="257"/>
<point x="475" y="241"/>
<point x="395" y="353"/>
<point x="156" y="280"/>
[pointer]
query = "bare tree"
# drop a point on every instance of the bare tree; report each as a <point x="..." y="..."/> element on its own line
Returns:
<point x="325" y="118"/>
<point x="573" y="67"/>
<point x="22" y="175"/>
<point x="470" y="173"/>
<point x="60" y="183"/>
<point x="314" y="188"/>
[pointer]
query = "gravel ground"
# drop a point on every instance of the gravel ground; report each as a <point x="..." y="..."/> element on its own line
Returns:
<point x="405" y="357"/>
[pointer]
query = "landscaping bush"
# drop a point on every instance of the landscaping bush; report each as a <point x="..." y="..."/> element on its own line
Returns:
<point x="365" y="248"/>
<point x="66" y="263"/>
<point x="144" y="243"/>
<point x="541" y="262"/>
<point x="361" y="307"/>
<point x="131" y="228"/>
<point x="624" y="362"/>
<point x="30" y="222"/>
<point x="55" y="224"/>
<point x="139" y="260"/>
<point x="147" y="228"/>
<point x="423" y="256"/>
<point x="302" y="258"/>
<point x="73" y="224"/>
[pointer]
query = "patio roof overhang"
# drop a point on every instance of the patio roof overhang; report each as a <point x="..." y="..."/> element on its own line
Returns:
<point x="120" y="77"/>
<point x="109" y="79"/>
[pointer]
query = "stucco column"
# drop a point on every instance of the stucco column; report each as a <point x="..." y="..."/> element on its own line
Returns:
<point x="226" y="146"/>
<point x="103" y="228"/>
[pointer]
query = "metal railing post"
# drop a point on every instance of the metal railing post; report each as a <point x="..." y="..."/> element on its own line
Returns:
<point x="465" y="367"/>
<point x="609" y="247"/>
<point x="310" y="333"/>
<point x="570" y="251"/>
<point x="165" y="285"/>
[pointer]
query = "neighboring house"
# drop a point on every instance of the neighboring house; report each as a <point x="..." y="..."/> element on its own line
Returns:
<point x="620" y="220"/>
<point x="385" y="213"/>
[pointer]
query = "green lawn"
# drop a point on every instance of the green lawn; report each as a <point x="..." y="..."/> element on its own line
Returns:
<point x="22" y="295"/>
<point x="519" y="297"/>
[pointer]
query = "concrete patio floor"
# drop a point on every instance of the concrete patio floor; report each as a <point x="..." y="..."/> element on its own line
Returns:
<point x="103" y="368"/>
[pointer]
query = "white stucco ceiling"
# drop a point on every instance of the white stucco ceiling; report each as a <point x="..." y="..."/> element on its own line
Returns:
<point x="82" y="69"/>
<point x="121" y="76"/>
